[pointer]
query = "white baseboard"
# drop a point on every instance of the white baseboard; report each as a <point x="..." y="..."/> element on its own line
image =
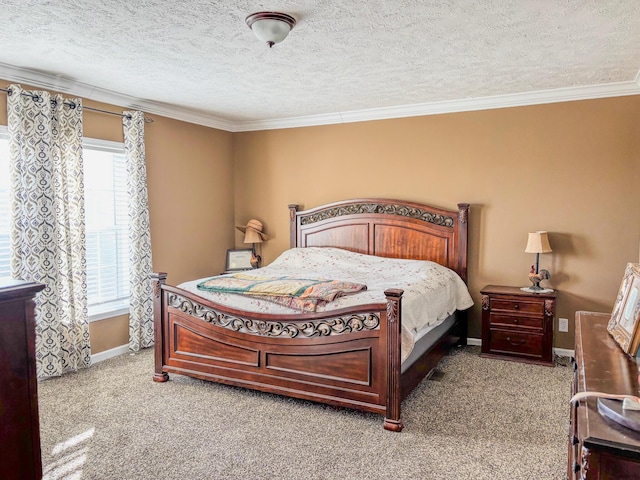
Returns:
<point x="113" y="352"/>
<point x="561" y="352"/>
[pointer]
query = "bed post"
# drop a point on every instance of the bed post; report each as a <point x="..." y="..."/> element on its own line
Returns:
<point x="394" y="394"/>
<point x="293" y="224"/>
<point x="158" y="280"/>
<point x="463" y="234"/>
<point x="463" y="222"/>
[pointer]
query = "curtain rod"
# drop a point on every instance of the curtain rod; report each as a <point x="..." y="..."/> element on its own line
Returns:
<point x="71" y="104"/>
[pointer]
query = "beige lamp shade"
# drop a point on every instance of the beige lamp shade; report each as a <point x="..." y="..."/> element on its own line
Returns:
<point x="538" y="242"/>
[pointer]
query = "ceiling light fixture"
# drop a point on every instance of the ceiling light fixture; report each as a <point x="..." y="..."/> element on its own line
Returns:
<point x="270" y="27"/>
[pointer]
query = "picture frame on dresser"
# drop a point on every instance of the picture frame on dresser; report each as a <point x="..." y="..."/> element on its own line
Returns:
<point x="624" y="325"/>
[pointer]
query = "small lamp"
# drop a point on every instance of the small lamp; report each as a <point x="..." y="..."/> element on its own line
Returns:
<point x="538" y="242"/>
<point x="253" y="234"/>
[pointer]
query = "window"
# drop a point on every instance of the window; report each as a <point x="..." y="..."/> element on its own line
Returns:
<point x="107" y="222"/>
<point x="107" y="228"/>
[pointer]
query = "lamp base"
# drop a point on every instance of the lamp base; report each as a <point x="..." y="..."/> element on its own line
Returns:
<point x="536" y="290"/>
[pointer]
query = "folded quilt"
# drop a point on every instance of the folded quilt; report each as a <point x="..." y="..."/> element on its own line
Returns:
<point x="304" y="294"/>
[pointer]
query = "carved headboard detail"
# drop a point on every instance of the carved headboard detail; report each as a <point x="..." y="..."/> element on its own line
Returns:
<point x="386" y="228"/>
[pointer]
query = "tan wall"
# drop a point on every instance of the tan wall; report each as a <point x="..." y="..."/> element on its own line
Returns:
<point x="570" y="168"/>
<point x="190" y="185"/>
<point x="109" y="333"/>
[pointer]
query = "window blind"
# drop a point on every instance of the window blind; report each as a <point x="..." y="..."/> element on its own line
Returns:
<point x="107" y="222"/>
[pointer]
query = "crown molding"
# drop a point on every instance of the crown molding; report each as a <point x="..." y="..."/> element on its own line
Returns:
<point x="451" y="106"/>
<point x="61" y="84"/>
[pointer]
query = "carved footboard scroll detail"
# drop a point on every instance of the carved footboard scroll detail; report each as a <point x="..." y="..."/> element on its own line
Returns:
<point x="319" y="328"/>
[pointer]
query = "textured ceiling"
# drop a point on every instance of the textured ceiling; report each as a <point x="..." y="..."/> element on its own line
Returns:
<point x="340" y="57"/>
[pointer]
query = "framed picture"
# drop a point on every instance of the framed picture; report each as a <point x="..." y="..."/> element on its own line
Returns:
<point x="239" y="260"/>
<point x="624" y="325"/>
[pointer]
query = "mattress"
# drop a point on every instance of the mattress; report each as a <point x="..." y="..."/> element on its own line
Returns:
<point x="431" y="292"/>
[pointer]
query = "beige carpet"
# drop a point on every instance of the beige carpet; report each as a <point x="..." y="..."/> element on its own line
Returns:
<point x="475" y="419"/>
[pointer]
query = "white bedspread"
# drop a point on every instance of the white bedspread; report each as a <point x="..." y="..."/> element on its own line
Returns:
<point x="431" y="292"/>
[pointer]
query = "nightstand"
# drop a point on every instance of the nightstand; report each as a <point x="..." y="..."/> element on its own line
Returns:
<point x="517" y="325"/>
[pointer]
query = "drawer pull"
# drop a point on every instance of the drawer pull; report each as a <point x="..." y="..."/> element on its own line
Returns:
<point x="515" y="320"/>
<point x="519" y="342"/>
<point x="516" y="306"/>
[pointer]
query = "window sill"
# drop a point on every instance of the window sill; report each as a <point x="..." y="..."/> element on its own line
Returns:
<point x="111" y="310"/>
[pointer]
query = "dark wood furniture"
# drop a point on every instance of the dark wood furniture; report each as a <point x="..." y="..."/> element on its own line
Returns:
<point x="517" y="325"/>
<point x="348" y="357"/>
<point x="20" y="456"/>
<point x="599" y="448"/>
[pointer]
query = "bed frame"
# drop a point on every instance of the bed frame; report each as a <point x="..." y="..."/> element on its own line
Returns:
<point x="346" y="358"/>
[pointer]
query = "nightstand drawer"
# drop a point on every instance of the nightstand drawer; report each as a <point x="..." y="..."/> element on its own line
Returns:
<point x="517" y="306"/>
<point x="497" y="319"/>
<point x="516" y="342"/>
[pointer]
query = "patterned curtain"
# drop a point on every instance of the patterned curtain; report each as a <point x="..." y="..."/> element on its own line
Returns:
<point x="47" y="223"/>
<point x="141" y="302"/>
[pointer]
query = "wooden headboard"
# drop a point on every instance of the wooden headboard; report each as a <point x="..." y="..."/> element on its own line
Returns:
<point x="386" y="228"/>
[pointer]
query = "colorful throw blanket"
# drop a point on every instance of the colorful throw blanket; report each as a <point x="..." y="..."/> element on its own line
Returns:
<point x="304" y="294"/>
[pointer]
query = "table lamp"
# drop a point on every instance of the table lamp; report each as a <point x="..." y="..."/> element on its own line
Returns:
<point x="538" y="242"/>
<point x="253" y="234"/>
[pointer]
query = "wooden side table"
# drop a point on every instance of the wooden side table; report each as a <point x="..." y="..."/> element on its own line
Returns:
<point x="517" y="325"/>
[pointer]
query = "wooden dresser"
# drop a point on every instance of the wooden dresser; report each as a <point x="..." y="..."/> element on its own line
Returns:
<point x="20" y="456"/>
<point x="600" y="448"/>
<point x="517" y="325"/>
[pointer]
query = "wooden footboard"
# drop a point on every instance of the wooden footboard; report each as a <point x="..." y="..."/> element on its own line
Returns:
<point x="346" y="358"/>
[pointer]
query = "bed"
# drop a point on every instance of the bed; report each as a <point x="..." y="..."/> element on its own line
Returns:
<point x="351" y="356"/>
